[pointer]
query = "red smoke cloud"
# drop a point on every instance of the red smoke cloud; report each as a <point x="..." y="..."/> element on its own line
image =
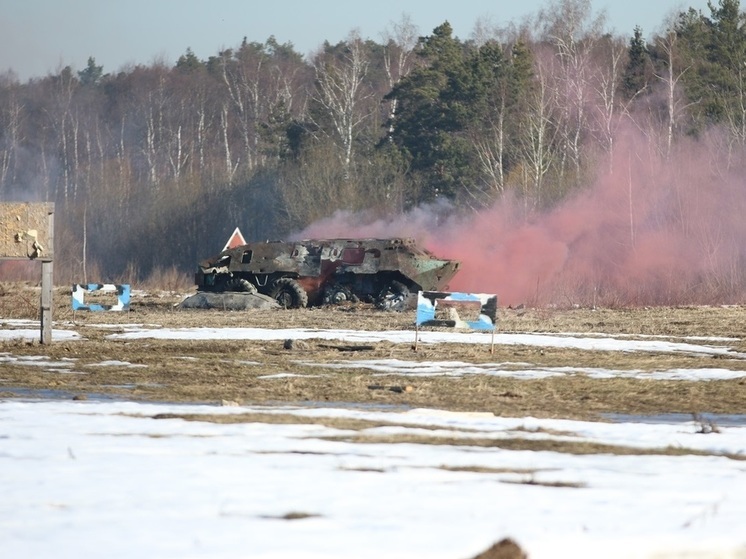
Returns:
<point x="652" y="232"/>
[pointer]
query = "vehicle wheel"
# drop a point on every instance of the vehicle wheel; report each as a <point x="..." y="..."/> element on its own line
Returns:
<point x="337" y="294"/>
<point x="393" y="297"/>
<point x="240" y="284"/>
<point x="289" y="293"/>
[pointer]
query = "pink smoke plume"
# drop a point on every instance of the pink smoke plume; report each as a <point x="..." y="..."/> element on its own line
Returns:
<point x="652" y="232"/>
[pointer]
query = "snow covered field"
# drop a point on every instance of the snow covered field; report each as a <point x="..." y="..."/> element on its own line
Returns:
<point x="91" y="479"/>
<point x="103" y="478"/>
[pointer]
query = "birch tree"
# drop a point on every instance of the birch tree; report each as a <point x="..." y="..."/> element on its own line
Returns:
<point x="60" y="115"/>
<point x="341" y="92"/>
<point x="398" y="59"/>
<point x="670" y="76"/>
<point x="608" y="78"/>
<point x="538" y="137"/>
<point x="574" y="32"/>
<point x="505" y="108"/>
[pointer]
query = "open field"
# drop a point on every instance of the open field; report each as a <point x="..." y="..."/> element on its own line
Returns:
<point x="316" y="370"/>
<point x="327" y="434"/>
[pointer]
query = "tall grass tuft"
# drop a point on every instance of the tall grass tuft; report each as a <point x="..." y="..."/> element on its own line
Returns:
<point x="169" y="279"/>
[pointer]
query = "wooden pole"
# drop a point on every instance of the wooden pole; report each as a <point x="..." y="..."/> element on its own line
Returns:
<point x="47" y="281"/>
<point x="46" y="302"/>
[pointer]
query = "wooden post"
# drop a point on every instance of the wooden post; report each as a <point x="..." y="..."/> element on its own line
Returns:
<point x="47" y="282"/>
<point x="46" y="301"/>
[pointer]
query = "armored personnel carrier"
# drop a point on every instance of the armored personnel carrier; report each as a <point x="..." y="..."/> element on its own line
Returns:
<point x="316" y="272"/>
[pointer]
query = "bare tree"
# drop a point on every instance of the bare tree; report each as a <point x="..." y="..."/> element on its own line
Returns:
<point x="341" y="91"/>
<point x="262" y="82"/>
<point x="11" y="117"/>
<point x="735" y="112"/>
<point x="230" y="166"/>
<point x="538" y="135"/>
<point x="490" y="139"/>
<point x="397" y="56"/>
<point x="671" y="77"/>
<point x="153" y="113"/>
<point x="241" y="78"/>
<point x="607" y="79"/>
<point x="513" y="72"/>
<point x="574" y="32"/>
<point x="490" y="149"/>
<point x="60" y="115"/>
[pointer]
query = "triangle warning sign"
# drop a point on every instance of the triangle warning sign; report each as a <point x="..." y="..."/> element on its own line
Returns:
<point x="236" y="240"/>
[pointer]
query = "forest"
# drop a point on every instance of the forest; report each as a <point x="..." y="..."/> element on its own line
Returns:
<point x="580" y="165"/>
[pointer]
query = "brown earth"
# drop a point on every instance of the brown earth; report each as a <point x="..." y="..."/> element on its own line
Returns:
<point x="504" y="549"/>
<point x="232" y="371"/>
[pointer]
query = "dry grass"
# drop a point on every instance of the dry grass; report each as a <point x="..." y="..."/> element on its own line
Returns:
<point x="232" y="371"/>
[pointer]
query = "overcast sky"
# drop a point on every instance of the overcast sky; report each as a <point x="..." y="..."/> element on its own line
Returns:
<point x="38" y="37"/>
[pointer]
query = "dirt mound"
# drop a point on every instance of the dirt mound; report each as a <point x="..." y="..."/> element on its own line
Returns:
<point x="504" y="549"/>
<point x="230" y="301"/>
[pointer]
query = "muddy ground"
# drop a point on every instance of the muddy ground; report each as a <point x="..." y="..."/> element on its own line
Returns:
<point x="229" y="371"/>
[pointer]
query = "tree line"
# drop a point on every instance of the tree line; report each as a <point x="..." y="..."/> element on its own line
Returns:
<point x="153" y="166"/>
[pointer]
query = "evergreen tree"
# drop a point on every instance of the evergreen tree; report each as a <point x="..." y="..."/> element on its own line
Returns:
<point x="727" y="48"/>
<point x="188" y="62"/>
<point x="638" y="70"/>
<point x="432" y="105"/>
<point x="713" y="50"/>
<point x="92" y="74"/>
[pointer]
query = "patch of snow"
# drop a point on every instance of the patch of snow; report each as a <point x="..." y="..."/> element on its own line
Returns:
<point x="520" y="370"/>
<point x="115" y="363"/>
<point x="26" y="334"/>
<point x="652" y="336"/>
<point x="289" y="375"/>
<point x="19" y="323"/>
<point x="428" y="337"/>
<point x="85" y="478"/>
<point x="35" y="361"/>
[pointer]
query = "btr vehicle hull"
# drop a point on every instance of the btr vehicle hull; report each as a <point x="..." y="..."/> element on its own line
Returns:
<point x="315" y="272"/>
